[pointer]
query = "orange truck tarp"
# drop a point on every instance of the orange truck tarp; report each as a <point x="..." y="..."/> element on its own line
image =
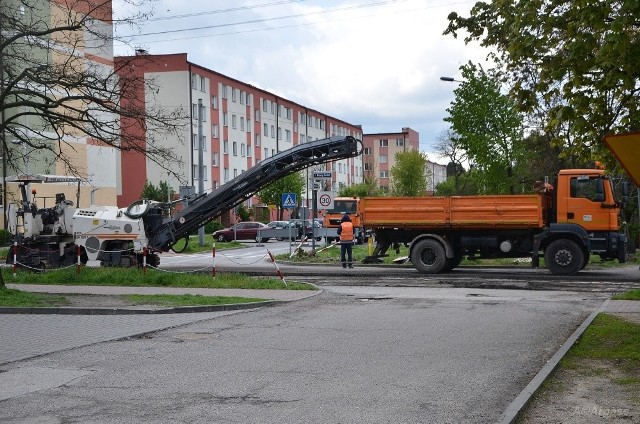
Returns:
<point x="626" y="148"/>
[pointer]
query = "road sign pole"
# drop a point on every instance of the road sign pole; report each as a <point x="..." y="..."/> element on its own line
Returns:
<point x="314" y="205"/>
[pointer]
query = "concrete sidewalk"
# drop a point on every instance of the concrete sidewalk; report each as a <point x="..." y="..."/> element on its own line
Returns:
<point x="271" y="297"/>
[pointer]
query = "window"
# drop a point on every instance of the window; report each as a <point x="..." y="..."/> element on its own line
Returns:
<point x="301" y="138"/>
<point x="214" y="130"/>
<point x="233" y="121"/>
<point x="225" y="119"/>
<point x="194" y="81"/>
<point x="225" y="175"/>
<point x="367" y="150"/>
<point x="248" y="150"/>
<point x="266" y="153"/>
<point x="204" y="173"/>
<point x="234" y="95"/>
<point x="295" y="127"/>
<point x="273" y="131"/>
<point x="273" y="108"/>
<point x="194" y="111"/>
<point x="242" y="150"/>
<point x="383" y="159"/>
<point x="266" y="130"/>
<point x="288" y="113"/>
<point x="257" y="115"/>
<point x="587" y="188"/>
<point x="399" y="142"/>
<point x="216" y="184"/>
<point x="194" y="141"/>
<point x="203" y="84"/>
<point x="235" y="148"/>
<point x="241" y="97"/>
<point x="368" y="166"/>
<point x="384" y="174"/>
<point x="224" y="92"/>
<point x="214" y="102"/>
<point x="215" y="160"/>
<point x="339" y="168"/>
<point x="204" y="143"/>
<point x="279" y="133"/>
<point x="242" y="123"/>
<point x="384" y="143"/>
<point x="248" y="99"/>
<point x="257" y="139"/>
<point x="265" y="105"/>
<point x="235" y="172"/>
<point x="225" y="147"/>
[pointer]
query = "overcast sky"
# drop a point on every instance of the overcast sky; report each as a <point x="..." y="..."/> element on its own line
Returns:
<point x="375" y="63"/>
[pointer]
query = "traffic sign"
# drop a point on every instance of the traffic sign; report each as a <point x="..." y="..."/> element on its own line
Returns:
<point x="325" y="199"/>
<point x="322" y="175"/>
<point x="289" y="200"/>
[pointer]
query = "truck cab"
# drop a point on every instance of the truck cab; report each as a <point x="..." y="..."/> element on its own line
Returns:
<point x="585" y="197"/>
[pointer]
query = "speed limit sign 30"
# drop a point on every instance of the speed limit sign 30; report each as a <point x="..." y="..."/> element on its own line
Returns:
<point x="325" y="199"/>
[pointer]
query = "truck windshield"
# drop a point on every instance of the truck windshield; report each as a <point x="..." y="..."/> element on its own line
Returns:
<point x="343" y="206"/>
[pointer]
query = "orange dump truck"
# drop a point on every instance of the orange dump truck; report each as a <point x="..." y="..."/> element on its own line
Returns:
<point x="566" y="224"/>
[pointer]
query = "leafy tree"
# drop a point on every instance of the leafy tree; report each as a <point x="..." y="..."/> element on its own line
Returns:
<point x="272" y="194"/>
<point x="51" y="95"/>
<point x="487" y="126"/>
<point x="409" y="174"/>
<point x="243" y="213"/>
<point x="370" y="187"/>
<point x="579" y="61"/>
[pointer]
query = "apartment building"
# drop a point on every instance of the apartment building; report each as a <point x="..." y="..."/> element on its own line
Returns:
<point x="240" y="126"/>
<point x="380" y="151"/>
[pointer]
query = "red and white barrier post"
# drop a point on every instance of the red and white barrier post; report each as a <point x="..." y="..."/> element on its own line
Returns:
<point x="15" y="257"/>
<point x="277" y="268"/>
<point x="78" y="249"/>
<point x="144" y="260"/>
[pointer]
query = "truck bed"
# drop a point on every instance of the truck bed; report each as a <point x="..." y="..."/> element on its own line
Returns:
<point x="470" y="212"/>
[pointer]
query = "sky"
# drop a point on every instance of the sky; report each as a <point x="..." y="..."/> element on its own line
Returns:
<point x="375" y="63"/>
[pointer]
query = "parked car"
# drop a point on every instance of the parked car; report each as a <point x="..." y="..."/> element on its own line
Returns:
<point x="297" y="223"/>
<point x="282" y="224"/>
<point x="246" y="230"/>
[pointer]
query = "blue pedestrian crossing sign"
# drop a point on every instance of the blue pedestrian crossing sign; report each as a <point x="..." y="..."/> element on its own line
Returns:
<point x="289" y="200"/>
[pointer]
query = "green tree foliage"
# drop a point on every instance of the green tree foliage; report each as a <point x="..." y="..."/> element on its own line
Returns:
<point x="487" y="127"/>
<point x="409" y="174"/>
<point x="370" y="187"/>
<point x="159" y="193"/>
<point x="243" y="213"/>
<point x="272" y="194"/>
<point x="578" y="61"/>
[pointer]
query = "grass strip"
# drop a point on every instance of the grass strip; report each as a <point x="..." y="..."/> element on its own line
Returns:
<point x="17" y="298"/>
<point x="186" y="300"/>
<point x="629" y="295"/>
<point x="134" y="277"/>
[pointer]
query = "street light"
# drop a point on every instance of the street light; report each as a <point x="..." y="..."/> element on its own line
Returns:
<point x="449" y="79"/>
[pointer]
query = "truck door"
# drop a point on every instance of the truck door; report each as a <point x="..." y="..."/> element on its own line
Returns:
<point x="586" y="203"/>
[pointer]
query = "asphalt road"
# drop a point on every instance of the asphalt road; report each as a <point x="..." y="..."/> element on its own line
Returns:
<point x="351" y="354"/>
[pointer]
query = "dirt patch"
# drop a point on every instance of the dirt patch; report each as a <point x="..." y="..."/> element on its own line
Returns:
<point x="96" y="301"/>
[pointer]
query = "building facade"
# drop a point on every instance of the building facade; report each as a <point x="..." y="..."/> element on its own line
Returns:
<point x="88" y="50"/>
<point x="240" y="125"/>
<point x="380" y="151"/>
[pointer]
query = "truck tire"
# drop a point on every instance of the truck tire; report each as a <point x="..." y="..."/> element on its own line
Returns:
<point x="428" y="256"/>
<point x="452" y="263"/>
<point x="564" y="257"/>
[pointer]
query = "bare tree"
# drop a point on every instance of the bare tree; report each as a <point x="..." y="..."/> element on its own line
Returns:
<point x="59" y="87"/>
<point x="446" y="147"/>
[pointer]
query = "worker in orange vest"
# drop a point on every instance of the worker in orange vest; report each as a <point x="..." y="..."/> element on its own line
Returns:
<point x="346" y="233"/>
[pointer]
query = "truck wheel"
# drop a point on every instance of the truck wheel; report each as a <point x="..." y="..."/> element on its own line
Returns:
<point x="428" y="256"/>
<point x="453" y="263"/>
<point x="564" y="257"/>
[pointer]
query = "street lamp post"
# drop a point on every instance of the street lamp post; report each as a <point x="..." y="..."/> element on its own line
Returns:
<point x="449" y="79"/>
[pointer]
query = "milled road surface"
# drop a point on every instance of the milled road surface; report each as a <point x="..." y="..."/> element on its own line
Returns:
<point x="351" y="354"/>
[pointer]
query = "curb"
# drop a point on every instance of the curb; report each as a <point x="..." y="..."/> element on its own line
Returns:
<point x="128" y="311"/>
<point x="515" y="408"/>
